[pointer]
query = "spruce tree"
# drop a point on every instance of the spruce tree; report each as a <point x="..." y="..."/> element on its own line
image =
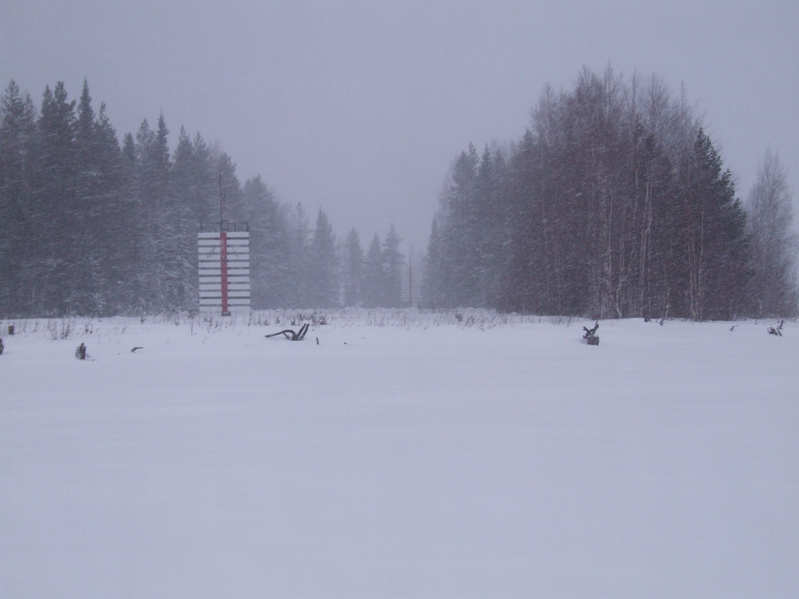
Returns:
<point x="715" y="241"/>
<point x="374" y="275"/>
<point x="17" y="153"/>
<point x="269" y="245"/>
<point x="54" y="221"/>
<point x="433" y="291"/>
<point x="323" y="265"/>
<point x="352" y="269"/>
<point x="393" y="262"/>
<point x="93" y="211"/>
<point x="112" y="240"/>
<point x="298" y="281"/>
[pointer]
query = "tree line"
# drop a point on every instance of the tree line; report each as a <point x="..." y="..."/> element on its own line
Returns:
<point x="615" y="203"/>
<point x="92" y="226"/>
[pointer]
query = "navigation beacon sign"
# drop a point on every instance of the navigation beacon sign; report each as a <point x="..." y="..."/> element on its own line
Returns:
<point x="224" y="268"/>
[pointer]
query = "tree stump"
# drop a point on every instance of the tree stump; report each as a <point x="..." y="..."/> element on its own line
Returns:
<point x="590" y="336"/>
<point x="776" y="330"/>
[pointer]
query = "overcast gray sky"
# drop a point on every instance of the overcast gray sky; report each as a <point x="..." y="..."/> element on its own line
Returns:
<point x="360" y="106"/>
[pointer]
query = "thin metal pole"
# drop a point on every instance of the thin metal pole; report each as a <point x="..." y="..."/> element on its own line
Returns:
<point x="221" y="220"/>
<point x="223" y="252"/>
<point x="223" y="272"/>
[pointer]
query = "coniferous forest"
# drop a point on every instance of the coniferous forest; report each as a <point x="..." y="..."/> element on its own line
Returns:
<point x="615" y="203"/>
<point x="91" y="226"/>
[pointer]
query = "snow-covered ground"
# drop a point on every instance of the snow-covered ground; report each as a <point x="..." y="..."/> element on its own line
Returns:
<point x="402" y="455"/>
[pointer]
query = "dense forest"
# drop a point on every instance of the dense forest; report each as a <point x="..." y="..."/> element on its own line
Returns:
<point x="91" y="226"/>
<point x="615" y="203"/>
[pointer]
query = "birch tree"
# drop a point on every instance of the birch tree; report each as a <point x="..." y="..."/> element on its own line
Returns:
<point x="773" y="244"/>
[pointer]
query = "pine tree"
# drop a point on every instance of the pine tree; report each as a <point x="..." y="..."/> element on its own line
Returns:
<point x="715" y="240"/>
<point x="53" y="206"/>
<point x="393" y="262"/>
<point x="458" y="221"/>
<point x="96" y="189"/>
<point x="113" y="240"/>
<point x="156" y="235"/>
<point x="130" y="249"/>
<point x="297" y="284"/>
<point x="494" y="218"/>
<point x="433" y="290"/>
<point x="374" y="275"/>
<point x="352" y="269"/>
<point x="17" y="135"/>
<point x="269" y="245"/>
<point x="323" y="265"/>
<point x="526" y="284"/>
<point x="234" y="209"/>
<point x="188" y="176"/>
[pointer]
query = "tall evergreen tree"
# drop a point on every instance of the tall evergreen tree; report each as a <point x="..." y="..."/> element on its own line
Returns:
<point x="458" y="223"/>
<point x="374" y="275"/>
<point x="112" y="242"/>
<point x="131" y="231"/>
<point x="297" y="285"/>
<point x="492" y="227"/>
<point x="393" y="262"/>
<point x="269" y="245"/>
<point x="94" y="211"/>
<point x="17" y="156"/>
<point x="158" y="288"/>
<point x="715" y="241"/>
<point x="189" y="178"/>
<point x="528" y="282"/>
<point x="352" y="278"/>
<point x="323" y="265"/>
<point x="234" y="209"/>
<point x="433" y="277"/>
<point x="55" y="214"/>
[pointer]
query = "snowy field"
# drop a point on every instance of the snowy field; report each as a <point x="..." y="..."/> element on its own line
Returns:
<point x="402" y="455"/>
